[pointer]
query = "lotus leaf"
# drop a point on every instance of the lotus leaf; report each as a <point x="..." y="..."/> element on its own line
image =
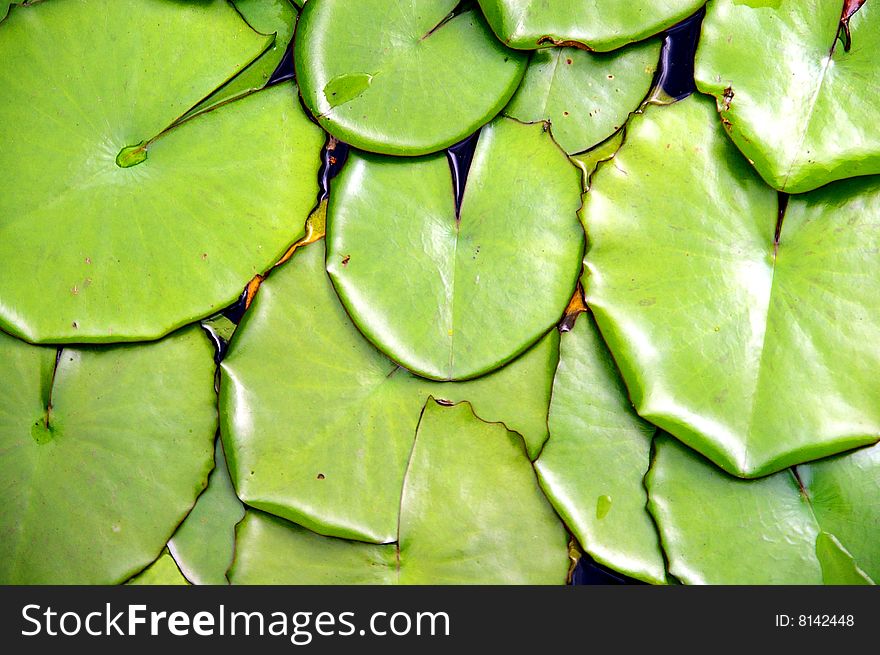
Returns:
<point x="318" y="425"/>
<point x="454" y="294"/>
<point x="596" y="457"/>
<point x="587" y="97"/>
<point x="599" y="25"/>
<point x="103" y="451"/>
<point x="204" y="543"/>
<point x="743" y="335"/>
<point x="817" y="523"/>
<point x="461" y="522"/>
<point x="408" y="77"/>
<point x="792" y="97"/>
<point x="116" y="228"/>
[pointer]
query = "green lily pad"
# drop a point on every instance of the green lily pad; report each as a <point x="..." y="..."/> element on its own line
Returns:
<point x="599" y="25"/>
<point x="204" y="543"/>
<point x="461" y="521"/>
<point x="318" y="425"/>
<point x="587" y="97"/>
<point x="406" y="78"/>
<point x="791" y="97"/>
<point x="163" y="572"/>
<point x="131" y="251"/>
<point x="596" y="457"/>
<point x="821" y="524"/>
<point x="719" y="326"/>
<point x="453" y="294"/>
<point x="102" y="454"/>
<point x="270" y="17"/>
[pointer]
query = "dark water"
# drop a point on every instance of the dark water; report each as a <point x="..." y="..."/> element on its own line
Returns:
<point x="589" y="572"/>
<point x="675" y="75"/>
<point x="284" y="71"/>
<point x="460" y="157"/>
<point x="333" y="158"/>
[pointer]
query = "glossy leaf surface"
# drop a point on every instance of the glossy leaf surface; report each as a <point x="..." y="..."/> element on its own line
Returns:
<point x="600" y="25"/>
<point x="596" y="457"/>
<point x="402" y="78"/>
<point x="204" y="543"/>
<point x="792" y="98"/>
<point x="586" y="96"/>
<point x="131" y="250"/>
<point x="720" y="329"/>
<point x="318" y="425"/>
<point x="454" y="295"/>
<point x="461" y="522"/>
<point x="101" y="456"/>
<point x="718" y="529"/>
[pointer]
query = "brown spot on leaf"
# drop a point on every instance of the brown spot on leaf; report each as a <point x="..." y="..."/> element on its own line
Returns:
<point x="320" y="476"/>
<point x="346" y="259"/>
<point x="563" y="43"/>
<point x="728" y="98"/>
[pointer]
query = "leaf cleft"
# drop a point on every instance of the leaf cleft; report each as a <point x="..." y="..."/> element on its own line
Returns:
<point x="460" y="8"/>
<point x="850" y="7"/>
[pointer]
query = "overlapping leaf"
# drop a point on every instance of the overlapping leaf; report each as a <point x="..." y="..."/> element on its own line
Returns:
<point x="600" y="25"/>
<point x="102" y="454"/>
<point x="820" y="523"/>
<point x="598" y="452"/>
<point x="276" y="18"/>
<point x="585" y="96"/>
<point x="455" y="294"/>
<point x="461" y="522"/>
<point x="115" y="233"/>
<point x="718" y="313"/>
<point x="318" y="425"/>
<point x="404" y="78"/>
<point x="793" y="99"/>
<point x="203" y="544"/>
<point x="163" y="571"/>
